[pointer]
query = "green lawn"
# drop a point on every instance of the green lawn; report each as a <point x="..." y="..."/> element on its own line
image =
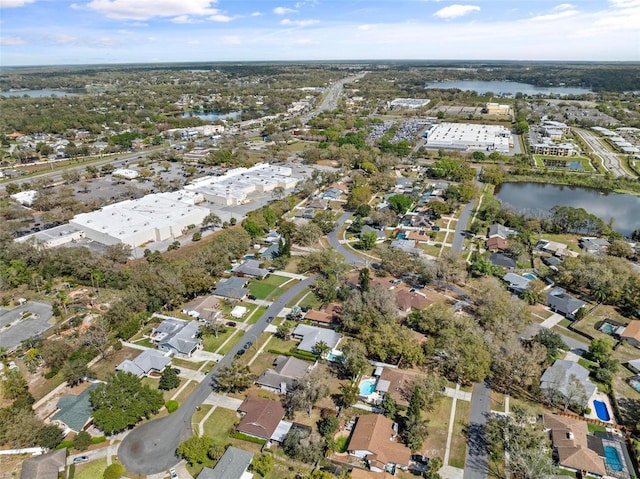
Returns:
<point x="264" y="288"/>
<point x="306" y="299"/>
<point x="259" y="311"/>
<point x="211" y="343"/>
<point x="201" y="412"/>
<point x="458" y="440"/>
<point x="341" y="443"/>
<point x="91" y="470"/>
<point x="219" y="424"/>
<point x="146" y="342"/>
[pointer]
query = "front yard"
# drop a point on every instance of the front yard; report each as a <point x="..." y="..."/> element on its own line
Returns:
<point x="270" y="287"/>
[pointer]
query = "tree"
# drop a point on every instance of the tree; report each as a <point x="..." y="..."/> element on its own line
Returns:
<point x="325" y="220"/>
<point x="14" y="384"/>
<point x="621" y="249"/>
<point x="354" y="359"/>
<point x="122" y="402"/>
<point x="305" y="392"/>
<point x="328" y="425"/>
<point x="321" y="348"/>
<point x="552" y="341"/>
<point x="348" y="394"/>
<point x="601" y="349"/>
<point x="368" y="240"/>
<point x="364" y="278"/>
<point x="97" y="337"/>
<point x="431" y="472"/>
<point x="82" y="441"/>
<point x="278" y="192"/>
<point x="233" y="378"/>
<point x="50" y="436"/>
<point x="358" y="196"/>
<point x="169" y="379"/>
<point x="400" y="203"/>
<point x="303" y="445"/>
<point x="195" y="450"/>
<point x="478" y="156"/>
<point x="74" y="371"/>
<point x="262" y="464"/>
<point x="389" y="406"/>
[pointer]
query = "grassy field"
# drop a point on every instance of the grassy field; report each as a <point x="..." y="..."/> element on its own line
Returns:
<point x="259" y="311"/>
<point x="201" y="412"/>
<point x="458" y="440"/>
<point x="306" y="299"/>
<point x="211" y="343"/>
<point x="264" y="288"/>
<point x="91" y="470"/>
<point x="103" y="368"/>
<point x="435" y="443"/>
<point x="219" y="424"/>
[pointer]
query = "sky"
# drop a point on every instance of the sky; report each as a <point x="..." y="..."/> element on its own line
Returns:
<point x="52" y="32"/>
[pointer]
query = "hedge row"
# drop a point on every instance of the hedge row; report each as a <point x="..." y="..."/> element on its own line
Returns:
<point x="304" y="355"/>
<point x="246" y="437"/>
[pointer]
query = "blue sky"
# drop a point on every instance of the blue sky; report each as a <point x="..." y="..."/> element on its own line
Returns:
<point x="45" y="32"/>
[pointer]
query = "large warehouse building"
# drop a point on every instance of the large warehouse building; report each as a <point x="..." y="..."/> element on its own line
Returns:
<point x="469" y="137"/>
<point x="156" y="217"/>
<point x="236" y="185"/>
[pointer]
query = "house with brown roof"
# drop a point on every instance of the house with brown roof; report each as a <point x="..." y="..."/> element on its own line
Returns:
<point x="319" y="318"/>
<point x="419" y="235"/>
<point x="260" y="417"/>
<point x="408" y="300"/>
<point x="204" y="308"/>
<point x="571" y="445"/>
<point x="375" y="440"/>
<point x="497" y="243"/>
<point x="396" y="382"/>
<point x="631" y="333"/>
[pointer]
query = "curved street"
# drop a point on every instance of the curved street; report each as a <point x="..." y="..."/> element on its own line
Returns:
<point x="150" y="448"/>
<point x="352" y="259"/>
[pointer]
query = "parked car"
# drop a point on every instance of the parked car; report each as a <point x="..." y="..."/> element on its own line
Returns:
<point x="173" y="473"/>
<point x="269" y="319"/>
<point x="240" y="352"/>
<point x="247" y="345"/>
<point x="231" y="324"/>
<point x="80" y="459"/>
<point x="252" y="297"/>
<point x="435" y="228"/>
<point x="176" y="370"/>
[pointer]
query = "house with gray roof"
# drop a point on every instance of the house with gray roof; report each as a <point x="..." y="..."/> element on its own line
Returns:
<point x="233" y="464"/>
<point x="176" y="336"/>
<point x="74" y="411"/>
<point x="559" y="380"/>
<point x="232" y="288"/>
<point x="516" y="283"/>
<point x="149" y="361"/>
<point x="332" y="194"/>
<point x="408" y="246"/>
<point x="594" y="245"/>
<point x="634" y="365"/>
<point x="380" y="235"/>
<point x="502" y="231"/>
<point x="251" y="267"/>
<point x="561" y="302"/>
<point x="285" y="371"/>
<point x="311" y="335"/>
<point x="502" y="260"/>
<point x="271" y="252"/>
<point x="45" y="466"/>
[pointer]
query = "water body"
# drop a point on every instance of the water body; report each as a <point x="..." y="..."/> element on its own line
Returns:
<point x="534" y="198"/>
<point x="36" y="93"/>
<point x="208" y="115"/>
<point x="507" y="88"/>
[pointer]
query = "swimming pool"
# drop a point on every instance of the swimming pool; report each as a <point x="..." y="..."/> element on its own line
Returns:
<point x="607" y="328"/>
<point x="601" y="410"/>
<point x="635" y="383"/>
<point x="401" y="236"/>
<point x="530" y="276"/>
<point x="612" y="458"/>
<point x="367" y="387"/>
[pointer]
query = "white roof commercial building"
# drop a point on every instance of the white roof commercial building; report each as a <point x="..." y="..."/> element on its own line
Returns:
<point x="410" y="103"/>
<point x="466" y="136"/>
<point x="155" y="217"/>
<point x="234" y="187"/>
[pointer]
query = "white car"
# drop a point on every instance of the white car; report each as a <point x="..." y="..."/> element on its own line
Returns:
<point x="173" y="473"/>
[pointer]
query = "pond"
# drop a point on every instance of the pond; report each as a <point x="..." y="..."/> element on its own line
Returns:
<point x="36" y="93"/>
<point x="537" y="198"/>
<point x="209" y="115"/>
<point x="507" y="88"/>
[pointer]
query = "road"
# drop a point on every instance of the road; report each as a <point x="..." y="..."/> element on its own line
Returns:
<point x="352" y="259"/>
<point x="476" y="465"/>
<point x="330" y="100"/>
<point x="150" y="448"/>
<point x="610" y="160"/>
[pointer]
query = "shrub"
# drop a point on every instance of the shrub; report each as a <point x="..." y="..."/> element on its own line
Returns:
<point x="197" y="236"/>
<point x="72" y="471"/>
<point x="82" y="441"/>
<point x="172" y="405"/>
<point x="98" y="440"/>
<point x="246" y="437"/>
<point x="114" y="471"/>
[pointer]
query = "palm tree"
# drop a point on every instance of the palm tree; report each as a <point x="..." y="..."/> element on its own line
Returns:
<point x="321" y="348"/>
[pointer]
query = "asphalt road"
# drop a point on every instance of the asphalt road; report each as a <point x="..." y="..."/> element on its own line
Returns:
<point x="330" y="101"/>
<point x="150" y="448"/>
<point x="349" y="257"/>
<point x="610" y="160"/>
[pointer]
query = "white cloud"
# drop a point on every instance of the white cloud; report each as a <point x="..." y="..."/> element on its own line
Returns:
<point x="14" y="3"/>
<point x="220" y="18"/>
<point x="9" y="41"/>
<point x="554" y="16"/>
<point x="454" y="11"/>
<point x="146" y="9"/>
<point x="183" y="19"/>
<point x="364" y="28"/>
<point x="625" y="3"/>
<point x="298" y="23"/>
<point x="563" y="6"/>
<point x="63" y="39"/>
<point x="283" y="10"/>
<point x="231" y="40"/>
<point x="256" y="14"/>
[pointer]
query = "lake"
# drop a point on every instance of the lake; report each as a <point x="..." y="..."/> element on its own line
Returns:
<point x="535" y="198"/>
<point x="37" y="93"/>
<point x="208" y="115"/>
<point x="507" y="88"/>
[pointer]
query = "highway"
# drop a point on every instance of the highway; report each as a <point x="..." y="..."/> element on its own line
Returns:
<point x="330" y="101"/>
<point x="610" y="161"/>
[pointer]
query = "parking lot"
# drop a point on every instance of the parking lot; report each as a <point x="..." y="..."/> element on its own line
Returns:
<point x="27" y="320"/>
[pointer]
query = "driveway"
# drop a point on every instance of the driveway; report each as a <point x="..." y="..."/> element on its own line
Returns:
<point x="477" y="462"/>
<point x="150" y="448"/>
<point x="225" y="402"/>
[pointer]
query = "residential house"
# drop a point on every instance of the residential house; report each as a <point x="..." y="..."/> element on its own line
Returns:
<point x="634" y="365"/>
<point x="232" y="288"/>
<point x="561" y="302"/>
<point x="176" y="336"/>
<point x="319" y="318"/>
<point x="271" y="252"/>
<point x="569" y="437"/>
<point x="552" y="262"/>
<point x="204" y="308"/>
<point x="45" y="466"/>
<point x="380" y="235"/>
<point x="285" y="371"/>
<point x="311" y="335"/>
<point x="250" y="267"/>
<point x="408" y="246"/>
<point x="631" y="333"/>
<point x="331" y="194"/>
<point x="74" y="411"/>
<point x="261" y="417"/>
<point x="502" y="260"/>
<point x="319" y="204"/>
<point x="375" y="440"/>
<point x="273" y="237"/>
<point x="364" y="474"/>
<point x="501" y="231"/>
<point x="410" y="300"/>
<point x="594" y="245"/>
<point x="555" y="248"/>
<point x="234" y="464"/>
<point x="497" y="243"/>
<point x="396" y="381"/>
<point x="148" y="362"/>
<point x="516" y="283"/>
<point x="307" y="213"/>
<point x="559" y="380"/>
<point x="418" y="235"/>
